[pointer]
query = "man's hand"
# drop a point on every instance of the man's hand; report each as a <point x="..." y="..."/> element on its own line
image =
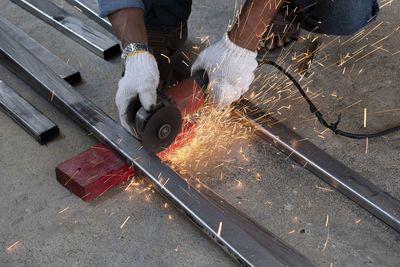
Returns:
<point x="230" y="63"/>
<point x="230" y="70"/>
<point x="140" y="80"/>
<point x="141" y="72"/>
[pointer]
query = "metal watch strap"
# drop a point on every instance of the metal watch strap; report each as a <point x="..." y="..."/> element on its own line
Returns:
<point x="132" y="47"/>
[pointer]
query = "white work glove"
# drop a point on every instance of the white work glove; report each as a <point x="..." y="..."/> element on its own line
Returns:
<point x="230" y="70"/>
<point x="141" y="79"/>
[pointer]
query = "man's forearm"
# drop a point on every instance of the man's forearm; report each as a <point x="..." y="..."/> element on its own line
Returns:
<point x="254" y="18"/>
<point x="129" y="25"/>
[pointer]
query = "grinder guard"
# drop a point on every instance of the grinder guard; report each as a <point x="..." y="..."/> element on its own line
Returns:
<point x="158" y="128"/>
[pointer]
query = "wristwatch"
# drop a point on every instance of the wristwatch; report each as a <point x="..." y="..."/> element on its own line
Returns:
<point x="133" y="47"/>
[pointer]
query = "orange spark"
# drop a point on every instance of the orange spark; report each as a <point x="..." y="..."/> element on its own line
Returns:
<point x="219" y="229"/>
<point x="324" y="189"/>
<point x="14" y="245"/>
<point x="61" y="211"/>
<point x="123" y="224"/>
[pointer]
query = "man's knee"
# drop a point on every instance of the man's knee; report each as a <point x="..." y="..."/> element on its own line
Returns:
<point x="351" y="16"/>
<point x="339" y="17"/>
<point x="166" y="14"/>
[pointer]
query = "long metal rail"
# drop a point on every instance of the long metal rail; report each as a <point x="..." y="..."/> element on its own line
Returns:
<point x="71" y="26"/>
<point x="64" y="70"/>
<point x="333" y="172"/>
<point x="26" y="115"/>
<point x="90" y="8"/>
<point x="241" y="237"/>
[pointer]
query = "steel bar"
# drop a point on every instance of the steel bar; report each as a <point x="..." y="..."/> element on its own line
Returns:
<point x="71" y="26"/>
<point x="242" y="238"/>
<point x="90" y="8"/>
<point x="26" y="115"/>
<point x="333" y="172"/>
<point x="63" y="70"/>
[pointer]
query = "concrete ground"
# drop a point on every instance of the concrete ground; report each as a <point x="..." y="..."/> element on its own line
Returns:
<point x="43" y="224"/>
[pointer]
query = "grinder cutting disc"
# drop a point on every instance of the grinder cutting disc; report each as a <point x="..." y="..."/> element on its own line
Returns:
<point x="161" y="128"/>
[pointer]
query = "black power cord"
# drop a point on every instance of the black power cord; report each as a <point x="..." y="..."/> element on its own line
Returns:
<point x="320" y="117"/>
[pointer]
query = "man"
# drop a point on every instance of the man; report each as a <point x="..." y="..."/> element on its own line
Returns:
<point x="152" y="32"/>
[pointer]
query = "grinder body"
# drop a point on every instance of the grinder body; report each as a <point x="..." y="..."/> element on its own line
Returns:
<point x="157" y="129"/>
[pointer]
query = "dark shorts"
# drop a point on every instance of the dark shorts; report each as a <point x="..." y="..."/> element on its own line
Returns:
<point x="166" y="14"/>
<point x="338" y="17"/>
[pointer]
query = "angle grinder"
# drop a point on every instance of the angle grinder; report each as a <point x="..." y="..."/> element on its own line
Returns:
<point x="158" y="128"/>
